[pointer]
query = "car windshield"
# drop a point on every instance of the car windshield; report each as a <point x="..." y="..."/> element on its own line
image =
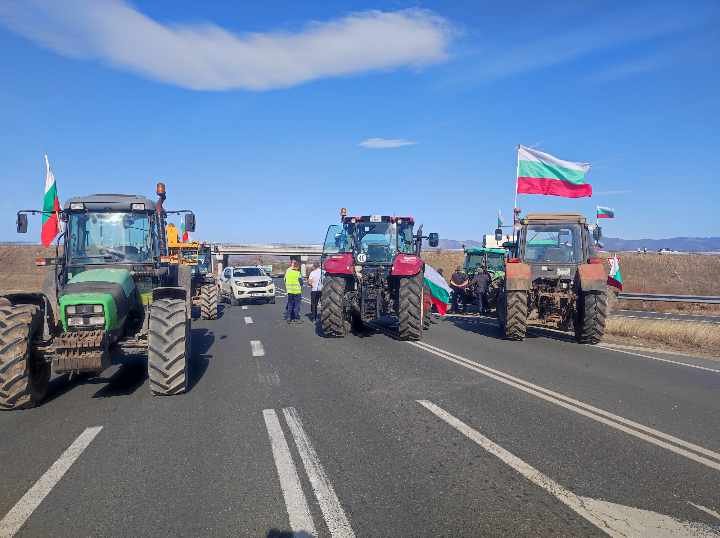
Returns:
<point x="109" y="238"/>
<point x="248" y="271"/>
<point x="553" y="243"/>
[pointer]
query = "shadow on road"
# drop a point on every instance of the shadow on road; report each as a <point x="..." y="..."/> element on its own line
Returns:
<point x="202" y="341"/>
<point x="277" y="533"/>
<point x="129" y="377"/>
<point x="489" y="327"/>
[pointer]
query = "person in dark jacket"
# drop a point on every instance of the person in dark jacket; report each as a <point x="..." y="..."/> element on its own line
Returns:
<point x="481" y="283"/>
<point x="459" y="283"/>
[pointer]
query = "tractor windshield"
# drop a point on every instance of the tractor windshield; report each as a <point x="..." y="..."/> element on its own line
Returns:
<point x="553" y="243"/>
<point x="109" y="238"/>
<point x="375" y="242"/>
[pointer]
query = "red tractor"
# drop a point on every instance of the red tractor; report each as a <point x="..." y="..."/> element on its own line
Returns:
<point x="373" y="269"/>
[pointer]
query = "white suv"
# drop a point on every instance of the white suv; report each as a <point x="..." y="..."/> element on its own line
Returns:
<point x="246" y="282"/>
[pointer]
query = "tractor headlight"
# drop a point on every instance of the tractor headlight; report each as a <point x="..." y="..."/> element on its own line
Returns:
<point x="84" y="309"/>
<point x="76" y="321"/>
<point x="97" y="320"/>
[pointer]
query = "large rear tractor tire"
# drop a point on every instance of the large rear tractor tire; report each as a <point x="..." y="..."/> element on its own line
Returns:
<point x="168" y="347"/>
<point x="513" y="314"/>
<point x="410" y="307"/>
<point x="591" y="315"/>
<point x="24" y="378"/>
<point x="209" y="301"/>
<point x="332" y="309"/>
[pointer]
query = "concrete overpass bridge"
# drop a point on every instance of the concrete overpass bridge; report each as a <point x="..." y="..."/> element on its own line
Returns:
<point x="223" y="251"/>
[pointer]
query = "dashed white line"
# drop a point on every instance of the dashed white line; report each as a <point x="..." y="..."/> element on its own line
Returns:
<point x="669" y="442"/>
<point x="335" y="517"/>
<point x="248" y="320"/>
<point x="23" y="509"/>
<point x="295" y="501"/>
<point x="257" y="348"/>
<point x="244" y="307"/>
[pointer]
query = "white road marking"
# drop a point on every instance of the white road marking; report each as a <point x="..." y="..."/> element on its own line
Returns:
<point x="244" y="307"/>
<point x="295" y="501"/>
<point x="677" y="363"/>
<point x="23" y="509"/>
<point x="613" y="519"/>
<point x="679" y="446"/>
<point x="335" y="517"/>
<point x="257" y="348"/>
<point x="248" y="320"/>
<point x="705" y="509"/>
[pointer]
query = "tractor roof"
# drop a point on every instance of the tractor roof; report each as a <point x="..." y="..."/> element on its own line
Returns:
<point x="383" y="218"/>
<point x="554" y="218"/>
<point x="483" y="250"/>
<point x="110" y="202"/>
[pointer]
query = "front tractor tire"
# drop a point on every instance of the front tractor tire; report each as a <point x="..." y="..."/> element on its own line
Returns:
<point x="209" y="301"/>
<point x="591" y="316"/>
<point x="24" y="378"/>
<point x="332" y="308"/>
<point x="168" y="347"/>
<point x="410" y="307"/>
<point x="513" y="313"/>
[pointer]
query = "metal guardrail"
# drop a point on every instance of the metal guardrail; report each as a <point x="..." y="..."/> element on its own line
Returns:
<point x="707" y="299"/>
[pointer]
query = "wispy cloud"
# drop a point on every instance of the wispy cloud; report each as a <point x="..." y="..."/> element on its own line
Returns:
<point x="207" y="57"/>
<point x="386" y="143"/>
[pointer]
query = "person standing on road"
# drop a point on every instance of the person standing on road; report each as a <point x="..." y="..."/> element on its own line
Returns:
<point x="481" y="283"/>
<point x="315" y="282"/>
<point x="293" y="287"/>
<point x="459" y="283"/>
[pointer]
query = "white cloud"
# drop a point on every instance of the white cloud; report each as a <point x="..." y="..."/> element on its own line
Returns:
<point x="207" y="57"/>
<point x="385" y="143"/>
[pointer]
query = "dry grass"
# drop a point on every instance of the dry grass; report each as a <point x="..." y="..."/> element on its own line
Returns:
<point x="447" y="260"/>
<point x="17" y="267"/>
<point x="679" y="336"/>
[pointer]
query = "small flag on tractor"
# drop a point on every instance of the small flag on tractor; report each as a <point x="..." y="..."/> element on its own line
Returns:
<point x="51" y="208"/>
<point x="500" y="222"/>
<point x="438" y="288"/>
<point x="541" y="173"/>
<point x="605" y="212"/>
<point x="615" y="276"/>
<point x="185" y="235"/>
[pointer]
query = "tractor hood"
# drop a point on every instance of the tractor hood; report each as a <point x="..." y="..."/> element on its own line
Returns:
<point x="114" y="289"/>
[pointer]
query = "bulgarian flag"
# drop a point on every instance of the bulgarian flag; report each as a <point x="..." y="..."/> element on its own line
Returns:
<point x="604" y="213"/>
<point x="185" y="235"/>
<point x="500" y="222"/>
<point x="541" y="173"/>
<point x="51" y="208"/>
<point x="439" y="289"/>
<point x="615" y="277"/>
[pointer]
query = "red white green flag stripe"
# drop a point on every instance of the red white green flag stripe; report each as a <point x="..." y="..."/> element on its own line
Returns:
<point x="615" y="276"/>
<point x="541" y="173"/>
<point x="51" y="208"/>
<point x="439" y="289"/>
<point x="605" y="212"/>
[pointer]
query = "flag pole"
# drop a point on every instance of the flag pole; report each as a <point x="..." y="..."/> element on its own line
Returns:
<point x="517" y="175"/>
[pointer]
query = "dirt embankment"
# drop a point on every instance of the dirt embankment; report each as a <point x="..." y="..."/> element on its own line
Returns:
<point x="17" y="267"/>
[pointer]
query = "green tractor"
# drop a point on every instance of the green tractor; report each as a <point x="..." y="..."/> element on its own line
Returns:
<point x="493" y="260"/>
<point x="108" y="295"/>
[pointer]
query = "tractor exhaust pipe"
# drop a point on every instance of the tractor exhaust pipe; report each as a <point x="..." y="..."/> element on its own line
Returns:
<point x="160" y="213"/>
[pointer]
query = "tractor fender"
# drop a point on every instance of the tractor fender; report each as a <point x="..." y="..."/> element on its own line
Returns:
<point x="339" y="264"/>
<point x="47" y="306"/>
<point x="592" y="277"/>
<point x="518" y="276"/>
<point x="169" y="292"/>
<point x="407" y="265"/>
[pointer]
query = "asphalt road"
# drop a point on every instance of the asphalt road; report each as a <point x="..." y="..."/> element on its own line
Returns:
<point x="284" y="431"/>
<point x="668" y="316"/>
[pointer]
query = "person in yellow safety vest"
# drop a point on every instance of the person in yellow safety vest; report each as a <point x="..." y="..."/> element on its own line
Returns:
<point x="293" y="287"/>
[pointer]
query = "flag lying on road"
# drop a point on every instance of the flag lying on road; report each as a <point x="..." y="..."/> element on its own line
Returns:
<point x="605" y="212"/>
<point x="439" y="289"/>
<point x="51" y="208"/>
<point x="542" y="173"/>
<point x="615" y="277"/>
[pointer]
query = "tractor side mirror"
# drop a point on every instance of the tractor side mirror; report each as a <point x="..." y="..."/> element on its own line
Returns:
<point x="22" y="223"/>
<point x="433" y="239"/>
<point x="498" y="234"/>
<point x="190" y="222"/>
<point x="597" y="233"/>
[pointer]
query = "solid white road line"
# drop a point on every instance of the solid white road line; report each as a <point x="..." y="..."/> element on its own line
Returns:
<point x="677" y="363"/>
<point x="18" y="515"/>
<point x="705" y="509"/>
<point x="257" y="348"/>
<point x="295" y="501"/>
<point x="335" y="517"/>
<point x="248" y="320"/>
<point x="612" y="518"/>
<point x="244" y="307"/>
<point x="679" y="446"/>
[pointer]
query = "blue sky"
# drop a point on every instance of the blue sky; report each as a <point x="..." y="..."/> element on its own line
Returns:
<point x="266" y="118"/>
